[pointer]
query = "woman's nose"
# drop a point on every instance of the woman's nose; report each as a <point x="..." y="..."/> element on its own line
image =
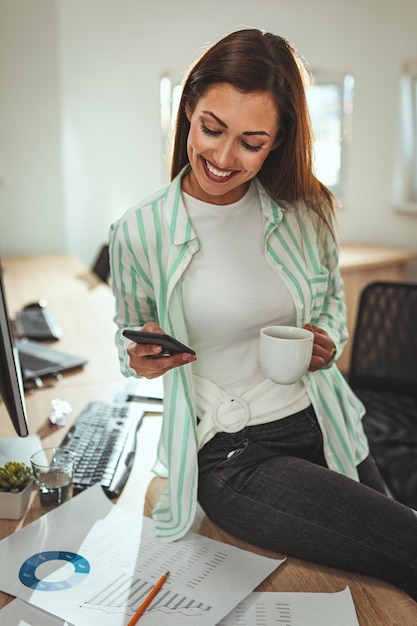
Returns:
<point x="224" y="154"/>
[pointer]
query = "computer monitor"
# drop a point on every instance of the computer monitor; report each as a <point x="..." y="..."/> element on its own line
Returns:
<point x="11" y="384"/>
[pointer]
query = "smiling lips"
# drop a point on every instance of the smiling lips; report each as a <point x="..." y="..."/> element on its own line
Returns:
<point x="215" y="174"/>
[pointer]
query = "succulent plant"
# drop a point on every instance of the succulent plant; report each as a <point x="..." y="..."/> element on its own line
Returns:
<point x="14" y="476"/>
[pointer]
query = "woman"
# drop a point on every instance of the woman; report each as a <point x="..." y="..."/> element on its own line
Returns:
<point x="243" y="237"/>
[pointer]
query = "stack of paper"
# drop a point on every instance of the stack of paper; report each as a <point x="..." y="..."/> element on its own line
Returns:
<point x="90" y="563"/>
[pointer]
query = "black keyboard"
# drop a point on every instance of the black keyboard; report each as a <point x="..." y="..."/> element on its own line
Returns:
<point x="104" y="439"/>
<point x="34" y="363"/>
<point x="37" y="323"/>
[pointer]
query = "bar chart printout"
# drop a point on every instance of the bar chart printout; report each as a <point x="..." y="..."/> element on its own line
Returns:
<point x="125" y="595"/>
<point x="294" y="609"/>
<point x="98" y="572"/>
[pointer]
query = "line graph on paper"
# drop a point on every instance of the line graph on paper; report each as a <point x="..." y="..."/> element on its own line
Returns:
<point x="123" y="597"/>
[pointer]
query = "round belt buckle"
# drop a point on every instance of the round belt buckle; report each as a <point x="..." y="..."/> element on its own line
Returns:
<point x="236" y="426"/>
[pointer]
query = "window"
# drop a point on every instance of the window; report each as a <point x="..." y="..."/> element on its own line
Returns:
<point x="405" y="171"/>
<point x="330" y="103"/>
<point x="170" y="88"/>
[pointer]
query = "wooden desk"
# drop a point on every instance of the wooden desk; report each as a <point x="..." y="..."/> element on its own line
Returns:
<point x="84" y="306"/>
<point x="359" y="264"/>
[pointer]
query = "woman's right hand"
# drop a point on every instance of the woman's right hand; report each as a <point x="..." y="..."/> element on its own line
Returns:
<point x="144" y="358"/>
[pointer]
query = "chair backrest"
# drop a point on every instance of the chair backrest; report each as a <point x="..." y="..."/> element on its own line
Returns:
<point x="384" y="351"/>
<point x="101" y="265"/>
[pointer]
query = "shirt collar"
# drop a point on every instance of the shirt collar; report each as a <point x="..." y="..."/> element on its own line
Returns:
<point x="180" y="224"/>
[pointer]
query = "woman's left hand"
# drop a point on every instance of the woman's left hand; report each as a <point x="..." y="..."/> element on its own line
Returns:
<point x="323" y="348"/>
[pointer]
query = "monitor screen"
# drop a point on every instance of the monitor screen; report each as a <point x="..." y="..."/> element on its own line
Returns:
<point x="11" y="384"/>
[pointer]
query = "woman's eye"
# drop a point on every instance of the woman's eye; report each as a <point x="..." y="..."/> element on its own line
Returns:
<point x="208" y="131"/>
<point x="251" y="148"/>
<point x="216" y="133"/>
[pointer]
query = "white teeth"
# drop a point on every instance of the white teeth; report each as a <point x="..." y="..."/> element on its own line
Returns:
<point x="215" y="172"/>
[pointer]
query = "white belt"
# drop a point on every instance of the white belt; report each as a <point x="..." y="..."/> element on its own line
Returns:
<point x="225" y="412"/>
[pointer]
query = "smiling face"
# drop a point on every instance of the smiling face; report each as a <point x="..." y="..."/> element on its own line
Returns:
<point x="231" y="134"/>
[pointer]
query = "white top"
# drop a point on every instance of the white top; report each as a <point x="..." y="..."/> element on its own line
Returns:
<point x="230" y="292"/>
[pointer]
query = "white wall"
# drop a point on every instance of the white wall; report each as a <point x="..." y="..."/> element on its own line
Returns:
<point x="88" y="132"/>
<point x="32" y="205"/>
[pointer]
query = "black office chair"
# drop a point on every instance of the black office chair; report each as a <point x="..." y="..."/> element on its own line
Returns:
<point x="383" y="373"/>
<point x="101" y="265"/>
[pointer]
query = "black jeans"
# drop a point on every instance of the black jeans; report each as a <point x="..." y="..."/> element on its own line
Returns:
<point x="269" y="485"/>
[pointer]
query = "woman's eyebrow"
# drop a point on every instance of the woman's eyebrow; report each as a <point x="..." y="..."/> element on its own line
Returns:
<point x="218" y="120"/>
<point x="248" y="133"/>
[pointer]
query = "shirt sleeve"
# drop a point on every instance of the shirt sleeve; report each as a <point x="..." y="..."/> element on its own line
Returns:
<point x="133" y="291"/>
<point x="333" y="315"/>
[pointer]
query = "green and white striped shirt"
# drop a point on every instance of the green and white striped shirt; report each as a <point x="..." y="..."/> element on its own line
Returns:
<point x="150" y="248"/>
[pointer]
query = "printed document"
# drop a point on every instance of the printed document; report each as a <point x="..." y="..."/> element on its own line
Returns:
<point x="294" y="609"/>
<point x="92" y="563"/>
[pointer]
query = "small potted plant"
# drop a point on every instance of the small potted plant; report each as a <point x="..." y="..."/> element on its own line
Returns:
<point x="15" y="487"/>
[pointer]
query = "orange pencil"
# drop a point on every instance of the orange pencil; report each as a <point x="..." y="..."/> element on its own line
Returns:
<point x="148" y="600"/>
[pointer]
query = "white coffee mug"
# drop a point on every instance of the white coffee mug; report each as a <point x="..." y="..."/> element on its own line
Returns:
<point x="285" y="353"/>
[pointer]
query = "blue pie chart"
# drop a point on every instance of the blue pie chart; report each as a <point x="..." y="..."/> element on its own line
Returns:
<point x="28" y="577"/>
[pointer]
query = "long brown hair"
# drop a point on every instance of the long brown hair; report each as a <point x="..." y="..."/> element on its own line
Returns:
<point x="251" y="60"/>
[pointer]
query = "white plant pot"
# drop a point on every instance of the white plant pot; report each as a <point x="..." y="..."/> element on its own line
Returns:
<point x="14" y="505"/>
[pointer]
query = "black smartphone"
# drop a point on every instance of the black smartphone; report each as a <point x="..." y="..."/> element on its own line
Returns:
<point x="169" y="344"/>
